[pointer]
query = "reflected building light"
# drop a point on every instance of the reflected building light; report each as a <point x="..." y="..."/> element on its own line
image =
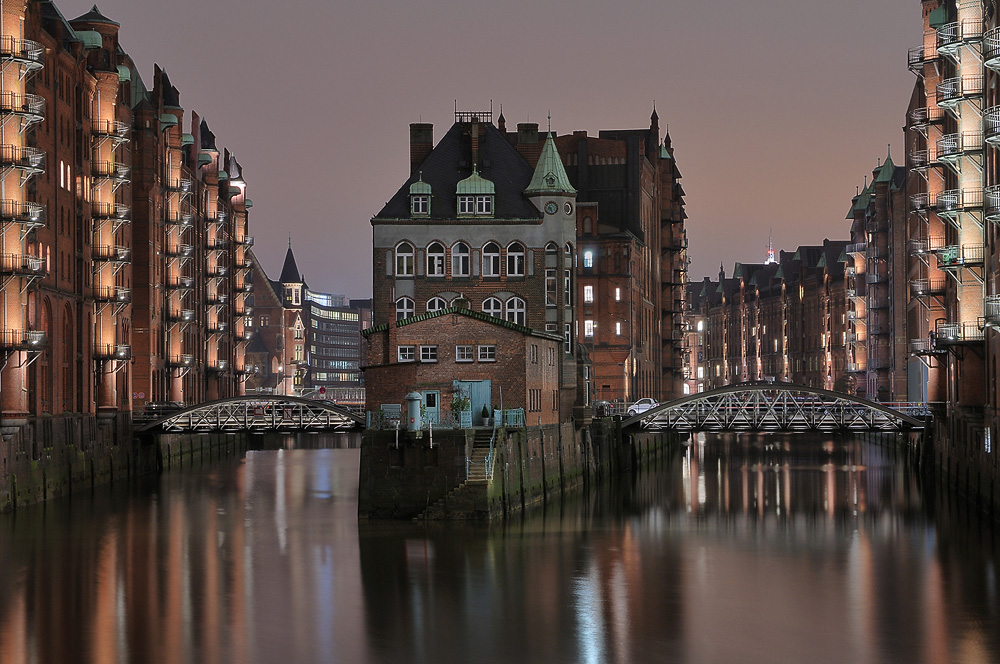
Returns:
<point x="280" y="513"/>
<point x="587" y="606"/>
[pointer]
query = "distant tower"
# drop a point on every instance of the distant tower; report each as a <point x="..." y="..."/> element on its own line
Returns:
<point x="770" y="251"/>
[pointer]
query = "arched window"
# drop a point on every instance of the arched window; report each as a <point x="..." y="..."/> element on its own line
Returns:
<point x="491" y="260"/>
<point x="436" y="304"/>
<point x="460" y="260"/>
<point x="588" y="259"/>
<point x="435" y="259"/>
<point x="568" y="250"/>
<point x="404" y="308"/>
<point x="515" y="310"/>
<point x="515" y="260"/>
<point x="404" y="259"/>
<point x="493" y="307"/>
<point x="551" y="249"/>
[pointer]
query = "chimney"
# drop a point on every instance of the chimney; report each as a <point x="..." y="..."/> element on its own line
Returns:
<point x="527" y="142"/>
<point x="474" y="134"/>
<point x="421" y="143"/>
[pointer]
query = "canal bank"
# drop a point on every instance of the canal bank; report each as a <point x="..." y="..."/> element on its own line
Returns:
<point x="962" y="459"/>
<point x="483" y="473"/>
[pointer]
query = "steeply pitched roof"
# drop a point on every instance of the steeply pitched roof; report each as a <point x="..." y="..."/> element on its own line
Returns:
<point x="550" y="175"/>
<point x="451" y="161"/>
<point x="290" y="271"/>
<point x="95" y="16"/>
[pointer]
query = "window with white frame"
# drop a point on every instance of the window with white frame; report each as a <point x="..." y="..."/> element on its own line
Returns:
<point x="463" y="353"/>
<point x="484" y="205"/>
<point x="435" y="259"/>
<point x="493" y="306"/>
<point x="567" y="338"/>
<point x="466" y="204"/>
<point x="404" y="259"/>
<point x="428" y="353"/>
<point x="588" y="259"/>
<point x="491" y="260"/>
<point x="618" y="328"/>
<point x="487" y="353"/>
<point x="515" y="260"/>
<point x="567" y="287"/>
<point x="618" y="295"/>
<point x="404" y="308"/>
<point x="406" y="353"/>
<point x="550" y="288"/>
<point x="436" y="304"/>
<point x="420" y="204"/>
<point x="515" y="311"/>
<point x="588" y="294"/>
<point x="588" y="328"/>
<point x="460" y="260"/>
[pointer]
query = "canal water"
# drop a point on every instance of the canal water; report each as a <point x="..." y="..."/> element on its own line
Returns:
<point x="732" y="549"/>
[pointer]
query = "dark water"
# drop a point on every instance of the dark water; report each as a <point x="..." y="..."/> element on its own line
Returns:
<point x="733" y="550"/>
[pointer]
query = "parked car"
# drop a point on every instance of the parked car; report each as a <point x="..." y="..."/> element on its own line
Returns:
<point x="641" y="406"/>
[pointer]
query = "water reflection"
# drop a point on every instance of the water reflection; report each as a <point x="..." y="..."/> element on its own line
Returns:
<point x="749" y="549"/>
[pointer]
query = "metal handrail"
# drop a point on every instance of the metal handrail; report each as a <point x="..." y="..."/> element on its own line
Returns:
<point x="22" y="212"/>
<point x="29" y="105"/>
<point x="23" y="50"/>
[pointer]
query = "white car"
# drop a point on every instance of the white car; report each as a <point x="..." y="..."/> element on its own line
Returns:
<point x="641" y="406"/>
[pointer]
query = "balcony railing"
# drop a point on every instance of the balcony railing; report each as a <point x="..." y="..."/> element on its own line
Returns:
<point x="855" y="337"/>
<point x="217" y="271"/>
<point x="855" y="367"/>
<point x="857" y="248"/>
<point x="217" y="327"/>
<point x="875" y="278"/>
<point x="110" y="128"/>
<point x="182" y="185"/>
<point x="179" y="250"/>
<point x="926" y="287"/>
<point x="113" y="352"/>
<point x="953" y="90"/>
<point x="849" y="271"/>
<point x="992" y="309"/>
<point x="110" y="170"/>
<point x="109" y="211"/>
<point x="952" y="35"/>
<point x="118" y="294"/>
<point x="926" y="115"/>
<point x="217" y="298"/>
<point x="181" y="315"/>
<point x="247" y="241"/>
<point x="30" y="108"/>
<point x="24" y="265"/>
<point x="178" y="219"/>
<point x="992" y="195"/>
<point x="244" y="287"/>
<point x="217" y="243"/>
<point x="218" y="365"/>
<point x="923" y="201"/>
<point x="29" y="215"/>
<point x="991" y="48"/>
<point x="878" y="302"/>
<point x="180" y="283"/>
<point x="955" y="332"/>
<point x="28" y="54"/>
<point x="918" y="56"/>
<point x="958" y="255"/>
<point x="110" y="253"/>
<point x="921" y="159"/>
<point x="952" y="146"/>
<point x="24" y="158"/>
<point x="244" y="263"/>
<point x="953" y="201"/>
<point x="878" y="363"/>
<point x="181" y="361"/>
<point x="22" y="339"/>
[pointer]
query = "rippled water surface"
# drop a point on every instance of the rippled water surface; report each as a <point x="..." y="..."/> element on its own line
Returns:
<point x="750" y="549"/>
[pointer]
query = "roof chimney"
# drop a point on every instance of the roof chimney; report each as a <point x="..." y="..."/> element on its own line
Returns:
<point x="421" y="143"/>
<point x="527" y="142"/>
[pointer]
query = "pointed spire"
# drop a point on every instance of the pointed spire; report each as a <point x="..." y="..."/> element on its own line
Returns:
<point x="654" y="118"/>
<point x="290" y="271"/>
<point x="550" y="175"/>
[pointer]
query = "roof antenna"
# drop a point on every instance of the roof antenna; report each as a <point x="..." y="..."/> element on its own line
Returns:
<point x="550" y="120"/>
<point x="289" y="240"/>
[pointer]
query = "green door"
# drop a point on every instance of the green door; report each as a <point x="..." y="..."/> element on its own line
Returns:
<point x="479" y="394"/>
<point x="432" y="407"/>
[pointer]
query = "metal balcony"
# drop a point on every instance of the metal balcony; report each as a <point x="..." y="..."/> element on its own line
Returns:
<point x="22" y="265"/>
<point x="245" y="287"/>
<point x="110" y="129"/>
<point x="216" y="299"/>
<point x="22" y="339"/>
<point x="217" y="243"/>
<point x="29" y="108"/>
<point x="28" y="55"/>
<point x="244" y="263"/>
<point x="849" y="271"/>
<point x="181" y="185"/>
<point x="181" y="315"/>
<point x="951" y="147"/>
<point x="991" y="48"/>
<point x="217" y="327"/>
<point x="857" y="248"/>
<point x="179" y="250"/>
<point x="115" y="211"/>
<point x="992" y="309"/>
<point x="925" y="246"/>
<point x="950" y="333"/>
<point x="878" y="302"/>
<point x="218" y="365"/>
<point x="110" y="170"/>
<point x="855" y="337"/>
<point x="30" y="161"/>
<point x="875" y="278"/>
<point x="110" y="253"/>
<point x="113" y="352"/>
<point x="217" y="271"/>
<point x="918" y="56"/>
<point x="960" y="255"/>
<point x="855" y="367"/>
<point x="244" y="310"/>
<point x="952" y="91"/>
<point x="182" y="219"/>
<point x="852" y="294"/>
<point x="922" y="201"/>
<point x="921" y="160"/>
<point x="927" y="287"/>
<point x="951" y="36"/>
<point x="992" y="196"/>
<point x="857" y="318"/>
<point x="247" y="241"/>
<point x="29" y="215"/>
<point x="181" y="361"/>
<point x="118" y="294"/>
<point x="954" y="201"/>
<point x="180" y="283"/>
<point x="926" y="115"/>
<point x="246" y="334"/>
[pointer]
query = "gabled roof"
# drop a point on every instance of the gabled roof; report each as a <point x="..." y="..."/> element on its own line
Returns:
<point x="95" y="16"/>
<point x="478" y="315"/>
<point x="451" y="161"/>
<point x="550" y="174"/>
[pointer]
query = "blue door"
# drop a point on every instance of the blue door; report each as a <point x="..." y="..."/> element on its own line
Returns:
<point x="479" y="394"/>
<point x="432" y="407"/>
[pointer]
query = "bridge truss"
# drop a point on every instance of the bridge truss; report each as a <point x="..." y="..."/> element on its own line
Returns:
<point x="258" y="413"/>
<point x="777" y="407"/>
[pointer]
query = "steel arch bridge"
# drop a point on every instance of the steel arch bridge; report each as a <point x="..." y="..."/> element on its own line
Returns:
<point x="777" y="407"/>
<point x="257" y="413"/>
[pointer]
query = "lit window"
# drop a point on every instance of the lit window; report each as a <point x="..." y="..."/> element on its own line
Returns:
<point x="701" y="326"/>
<point x="515" y="260"/>
<point x="493" y="307"/>
<point x="463" y="354"/>
<point x="618" y="328"/>
<point x="515" y="310"/>
<point x="404" y="260"/>
<point x="298" y="352"/>
<point x="435" y="259"/>
<point x="436" y="304"/>
<point x="404" y="308"/>
<point x="420" y="205"/>
<point x="466" y="204"/>
<point x="618" y="295"/>
<point x="588" y="294"/>
<point x="488" y="353"/>
<point x="588" y="259"/>
<point x="588" y="328"/>
<point x="406" y="353"/>
<point x="491" y="260"/>
<point x="460" y="260"/>
<point x="428" y="353"/>
<point x="550" y="288"/>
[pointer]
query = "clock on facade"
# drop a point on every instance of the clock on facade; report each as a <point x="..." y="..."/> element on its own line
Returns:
<point x="551" y="207"/>
<point x="568" y="207"/>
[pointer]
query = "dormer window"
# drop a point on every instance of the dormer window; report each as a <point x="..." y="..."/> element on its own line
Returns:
<point x="420" y="198"/>
<point x="466" y="204"/>
<point x="475" y="196"/>
<point x="484" y="205"/>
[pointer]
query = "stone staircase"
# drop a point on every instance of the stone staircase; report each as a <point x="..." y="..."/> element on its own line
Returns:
<point x="469" y="499"/>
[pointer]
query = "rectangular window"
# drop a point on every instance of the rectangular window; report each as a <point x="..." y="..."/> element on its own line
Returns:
<point x="484" y="205"/>
<point x="298" y="352"/>
<point x="550" y="288"/>
<point x="466" y="204"/>
<point x="406" y="353"/>
<point x="618" y="295"/>
<point x="534" y="353"/>
<point x="428" y="353"/>
<point x="488" y="353"/>
<point x="567" y="338"/>
<point x="264" y="321"/>
<point x="588" y="328"/>
<point x="420" y="205"/>
<point x="463" y="354"/>
<point x="567" y="287"/>
<point x="588" y="294"/>
<point x="618" y="328"/>
<point x="300" y="333"/>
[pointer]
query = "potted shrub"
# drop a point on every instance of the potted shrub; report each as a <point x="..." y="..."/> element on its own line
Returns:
<point x="486" y="415"/>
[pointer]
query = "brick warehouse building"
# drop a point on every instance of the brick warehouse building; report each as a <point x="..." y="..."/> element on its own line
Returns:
<point x="476" y="221"/>
<point x="124" y="238"/>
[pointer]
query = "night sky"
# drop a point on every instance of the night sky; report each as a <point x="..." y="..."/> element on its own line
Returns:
<point x="777" y="110"/>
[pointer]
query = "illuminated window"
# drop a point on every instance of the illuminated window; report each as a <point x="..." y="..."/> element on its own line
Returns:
<point x="588" y="258"/>
<point x="618" y="328"/>
<point x="618" y="295"/>
<point x="588" y="328"/>
<point x="588" y="294"/>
